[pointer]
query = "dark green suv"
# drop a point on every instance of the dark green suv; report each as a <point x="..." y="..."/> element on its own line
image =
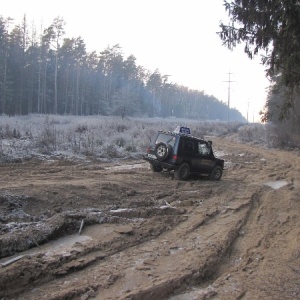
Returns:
<point x="185" y="154"/>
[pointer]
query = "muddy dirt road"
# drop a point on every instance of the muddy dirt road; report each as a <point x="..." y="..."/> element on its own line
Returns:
<point x="81" y="230"/>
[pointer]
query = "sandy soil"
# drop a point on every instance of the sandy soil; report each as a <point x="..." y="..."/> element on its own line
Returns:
<point x="80" y="230"/>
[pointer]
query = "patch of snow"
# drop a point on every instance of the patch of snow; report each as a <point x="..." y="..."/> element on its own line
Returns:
<point x="276" y="184"/>
<point x="164" y="207"/>
<point x="120" y="210"/>
<point x="219" y="153"/>
<point x="175" y="250"/>
<point x="227" y="164"/>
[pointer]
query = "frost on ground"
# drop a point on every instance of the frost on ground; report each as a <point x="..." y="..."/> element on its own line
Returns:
<point x="96" y="137"/>
<point x="94" y="226"/>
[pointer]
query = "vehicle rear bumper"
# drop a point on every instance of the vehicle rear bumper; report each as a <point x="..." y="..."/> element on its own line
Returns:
<point x="163" y="164"/>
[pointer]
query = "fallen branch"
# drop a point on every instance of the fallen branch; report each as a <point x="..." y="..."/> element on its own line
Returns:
<point x="168" y="204"/>
<point x="81" y="225"/>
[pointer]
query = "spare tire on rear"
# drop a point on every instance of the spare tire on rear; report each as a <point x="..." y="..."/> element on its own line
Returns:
<point x="162" y="151"/>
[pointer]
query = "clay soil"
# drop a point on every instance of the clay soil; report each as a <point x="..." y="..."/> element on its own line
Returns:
<point x="91" y="230"/>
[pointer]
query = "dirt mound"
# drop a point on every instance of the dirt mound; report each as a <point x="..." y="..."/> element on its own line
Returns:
<point x="119" y="231"/>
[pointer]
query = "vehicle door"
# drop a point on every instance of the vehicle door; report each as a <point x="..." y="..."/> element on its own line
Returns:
<point x="188" y="152"/>
<point x="206" y="159"/>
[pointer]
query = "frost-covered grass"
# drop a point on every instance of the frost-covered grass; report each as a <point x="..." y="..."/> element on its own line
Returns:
<point x="268" y="135"/>
<point x="95" y="137"/>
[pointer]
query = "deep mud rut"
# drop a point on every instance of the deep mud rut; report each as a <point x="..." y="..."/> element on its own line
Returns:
<point x="80" y="230"/>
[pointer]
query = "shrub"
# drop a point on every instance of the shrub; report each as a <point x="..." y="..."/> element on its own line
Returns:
<point x="111" y="151"/>
<point x="81" y="128"/>
<point x="120" y="141"/>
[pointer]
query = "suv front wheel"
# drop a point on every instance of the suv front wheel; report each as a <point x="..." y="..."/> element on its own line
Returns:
<point x="183" y="172"/>
<point x="216" y="173"/>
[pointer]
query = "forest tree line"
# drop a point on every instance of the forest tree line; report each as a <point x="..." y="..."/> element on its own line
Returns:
<point x="48" y="73"/>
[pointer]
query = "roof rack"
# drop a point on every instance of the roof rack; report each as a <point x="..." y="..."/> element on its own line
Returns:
<point x="182" y="129"/>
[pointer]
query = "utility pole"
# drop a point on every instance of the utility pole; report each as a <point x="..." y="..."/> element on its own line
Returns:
<point x="228" y="99"/>
<point x="247" y="112"/>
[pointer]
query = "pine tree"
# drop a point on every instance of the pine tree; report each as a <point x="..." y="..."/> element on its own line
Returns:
<point x="272" y="29"/>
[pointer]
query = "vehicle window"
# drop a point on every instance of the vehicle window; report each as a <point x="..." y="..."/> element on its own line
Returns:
<point x="166" y="138"/>
<point x="203" y="149"/>
<point x="188" y="146"/>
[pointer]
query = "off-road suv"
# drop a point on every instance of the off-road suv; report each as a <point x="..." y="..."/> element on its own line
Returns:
<point x="183" y="153"/>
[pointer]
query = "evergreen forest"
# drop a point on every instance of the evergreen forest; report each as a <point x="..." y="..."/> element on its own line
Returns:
<point x="44" y="72"/>
<point x="270" y="29"/>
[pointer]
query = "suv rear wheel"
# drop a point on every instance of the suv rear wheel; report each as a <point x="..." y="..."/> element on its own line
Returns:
<point x="183" y="172"/>
<point x="216" y="173"/>
<point x="155" y="168"/>
<point x="162" y="151"/>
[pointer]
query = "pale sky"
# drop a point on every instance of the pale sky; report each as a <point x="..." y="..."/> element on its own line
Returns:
<point x="177" y="37"/>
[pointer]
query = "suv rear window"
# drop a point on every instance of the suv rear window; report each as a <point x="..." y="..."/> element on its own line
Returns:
<point x="166" y="138"/>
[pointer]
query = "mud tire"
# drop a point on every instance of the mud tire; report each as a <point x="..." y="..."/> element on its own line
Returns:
<point x="183" y="172"/>
<point x="216" y="173"/>
<point x="156" y="168"/>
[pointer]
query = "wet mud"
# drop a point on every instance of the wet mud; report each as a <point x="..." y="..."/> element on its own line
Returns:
<point x="82" y="230"/>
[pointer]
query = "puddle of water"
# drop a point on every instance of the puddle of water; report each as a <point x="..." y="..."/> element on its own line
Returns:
<point x="191" y="192"/>
<point x="62" y="246"/>
<point x="194" y="293"/>
<point x="127" y="167"/>
<point x="276" y="184"/>
<point x="65" y="245"/>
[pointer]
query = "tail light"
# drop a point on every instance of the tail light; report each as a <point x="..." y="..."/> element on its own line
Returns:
<point x="175" y="157"/>
<point x="148" y="149"/>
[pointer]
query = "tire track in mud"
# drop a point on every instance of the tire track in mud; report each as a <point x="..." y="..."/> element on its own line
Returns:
<point x="126" y="232"/>
<point x="142" y="254"/>
<point x="186" y="254"/>
<point x="180" y="191"/>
